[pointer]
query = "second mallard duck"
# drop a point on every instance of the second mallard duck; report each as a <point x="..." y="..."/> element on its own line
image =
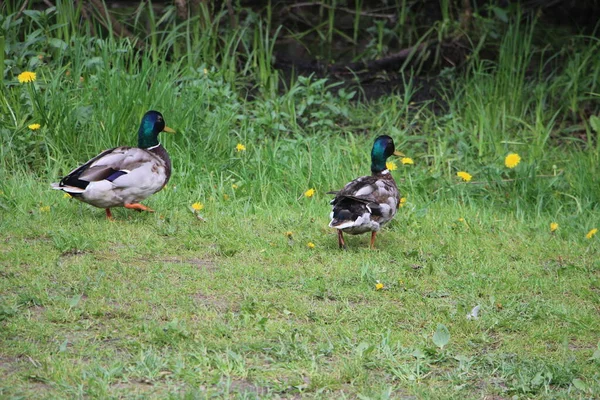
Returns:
<point x="368" y="202"/>
<point x="123" y="176"/>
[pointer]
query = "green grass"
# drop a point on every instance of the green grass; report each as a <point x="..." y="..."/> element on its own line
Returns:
<point x="169" y="305"/>
<point x="166" y="304"/>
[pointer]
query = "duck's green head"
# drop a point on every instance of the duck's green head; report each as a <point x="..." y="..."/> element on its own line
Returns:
<point x="382" y="149"/>
<point x="152" y="124"/>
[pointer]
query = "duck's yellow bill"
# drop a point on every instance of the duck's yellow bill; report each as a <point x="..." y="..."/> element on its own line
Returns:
<point x="167" y="129"/>
<point x="399" y="154"/>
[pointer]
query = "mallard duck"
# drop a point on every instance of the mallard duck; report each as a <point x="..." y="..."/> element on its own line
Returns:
<point x="368" y="202"/>
<point x="123" y="176"/>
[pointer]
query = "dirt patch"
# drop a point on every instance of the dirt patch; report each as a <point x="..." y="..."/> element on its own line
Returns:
<point x="35" y="239"/>
<point x="245" y="386"/>
<point x="200" y="263"/>
<point x="575" y="345"/>
<point x="36" y="312"/>
<point x="489" y="385"/>
<point x="134" y="387"/>
<point x="9" y="364"/>
<point x="213" y="302"/>
<point x="29" y="384"/>
<point x="37" y="387"/>
<point x="73" y="253"/>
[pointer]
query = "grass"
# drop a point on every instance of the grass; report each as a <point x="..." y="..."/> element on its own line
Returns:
<point x="231" y="306"/>
<point x="170" y="305"/>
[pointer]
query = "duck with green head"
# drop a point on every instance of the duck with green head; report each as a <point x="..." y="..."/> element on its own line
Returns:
<point x="123" y="176"/>
<point x="368" y="202"/>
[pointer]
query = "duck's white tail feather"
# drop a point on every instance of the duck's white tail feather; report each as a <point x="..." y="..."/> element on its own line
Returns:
<point x="341" y="224"/>
<point x="68" y="189"/>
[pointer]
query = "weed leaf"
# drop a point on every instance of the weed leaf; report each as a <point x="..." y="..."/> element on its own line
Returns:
<point x="596" y="355"/>
<point x="441" y="337"/>
<point x="595" y="123"/>
<point x="73" y="301"/>
<point x="474" y="314"/>
<point x="579" y="384"/>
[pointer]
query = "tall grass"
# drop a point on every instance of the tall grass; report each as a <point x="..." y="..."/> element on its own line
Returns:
<point x="91" y="94"/>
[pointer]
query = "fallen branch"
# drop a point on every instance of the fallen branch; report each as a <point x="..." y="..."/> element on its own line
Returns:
<point x="382" y="63"/>
<point x="391" y="17"/>
<point x="86" y="17"/>
<point x="23" y="7"/>
<point x="115" y="25"/>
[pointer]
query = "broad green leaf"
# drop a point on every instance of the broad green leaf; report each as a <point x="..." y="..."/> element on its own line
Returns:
<point x="595" y="123"/>
<point x="59" y="44"/>
<point x="94" y="62"/>
<point x="596" y="355"/>
<point x="418" y="353"/>
<point x="500" y="14"/>
<point x="579" y="384"/>
<point x="441" y="337"/>
<point x="73" y="301"/>
<point x="33" y="14"/>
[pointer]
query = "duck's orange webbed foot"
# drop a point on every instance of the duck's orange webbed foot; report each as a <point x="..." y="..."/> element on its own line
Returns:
<point x="138" y="207"/>
<point x="373" y="234"/>
<point x="109" y="215"/>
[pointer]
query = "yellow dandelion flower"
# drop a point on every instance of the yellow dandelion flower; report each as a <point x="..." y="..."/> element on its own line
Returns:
<point x="45" y="209"/>
<point x="378" y="286"/>
<point x="310" y="245"/>
<point x="205" y="71"/>
<point x="591" y="233"/>
<point x="512" y="160"/>
<point x="461" y="219"/>
<point x="465" y="176"/>
<point x="240" y="147"/>
<point x="553" y="226"/>
<point x="309" y="193"/>
<point x="197" y="206"/>
<point x="407" y="160"/>
<point x="67" y="195"/>
<point x="34" y="127"/>
<point x="289" y="234"/>
<point x="234" y="186"/>
<point x="225" y="196"/>
<point x="402" y="202"/>
<point x="391" y="165"/>
<point x="26" y="77"/>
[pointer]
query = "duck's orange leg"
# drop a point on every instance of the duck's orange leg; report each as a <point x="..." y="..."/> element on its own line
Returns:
<point x="341" y="242"/>
<point x="373" y="239"/>
<point x="109" y="215"/>
<point x="138" y="207"/>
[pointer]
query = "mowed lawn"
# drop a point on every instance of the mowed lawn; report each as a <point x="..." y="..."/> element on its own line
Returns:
<point x="233" y="305"/>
